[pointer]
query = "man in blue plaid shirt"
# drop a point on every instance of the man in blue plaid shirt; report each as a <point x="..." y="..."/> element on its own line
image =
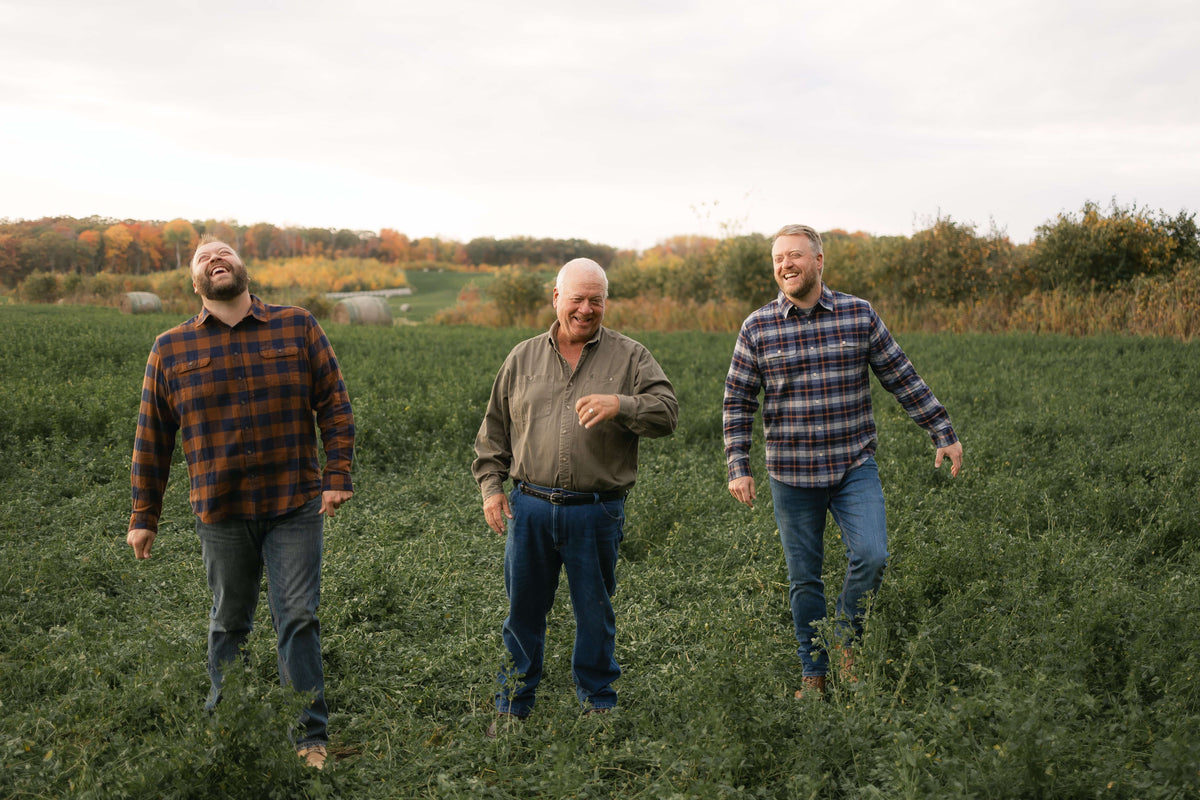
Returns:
<point x="808" y="352"/>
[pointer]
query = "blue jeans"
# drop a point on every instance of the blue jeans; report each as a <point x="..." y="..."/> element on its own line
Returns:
<point x="857" y="507"/>
<point x="542" y="540"/>
<point x="235" y="552"/>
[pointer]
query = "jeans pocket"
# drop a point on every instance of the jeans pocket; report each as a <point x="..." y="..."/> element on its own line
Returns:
<point x="615" y="511"/>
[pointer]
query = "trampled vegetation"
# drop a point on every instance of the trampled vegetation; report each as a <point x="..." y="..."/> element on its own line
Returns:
<point x="1038" y="634"/>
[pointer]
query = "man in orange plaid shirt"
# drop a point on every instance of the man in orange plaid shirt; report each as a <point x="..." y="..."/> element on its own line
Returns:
<point x="242" y="382"/>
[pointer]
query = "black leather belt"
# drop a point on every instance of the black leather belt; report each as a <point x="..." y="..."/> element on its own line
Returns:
<point x="564" y="497"/>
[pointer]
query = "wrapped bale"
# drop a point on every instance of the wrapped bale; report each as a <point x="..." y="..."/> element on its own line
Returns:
<point x="363" y="311"/>
<point x="141" y="303"/>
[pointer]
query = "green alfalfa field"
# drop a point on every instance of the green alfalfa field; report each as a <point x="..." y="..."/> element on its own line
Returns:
<point x="1037" y="636"/>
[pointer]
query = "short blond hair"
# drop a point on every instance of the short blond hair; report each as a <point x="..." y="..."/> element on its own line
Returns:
<point x="802" y="230"/>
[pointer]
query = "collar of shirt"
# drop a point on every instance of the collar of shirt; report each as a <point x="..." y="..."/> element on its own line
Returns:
<point x="552" y="334"/>
<point x="784" y="306"/>
<point x="258" y="310"/>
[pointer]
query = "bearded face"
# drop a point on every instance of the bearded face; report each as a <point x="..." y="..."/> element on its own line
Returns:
<point x="218" y="273"/>
<point x="797" y="269"/>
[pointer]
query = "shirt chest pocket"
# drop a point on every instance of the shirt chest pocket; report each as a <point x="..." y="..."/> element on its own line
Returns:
<point x="532" y="400"/>
<point x="280" y="366"/>
<point x="780" y="363"/>
<point x="192" y="381"/>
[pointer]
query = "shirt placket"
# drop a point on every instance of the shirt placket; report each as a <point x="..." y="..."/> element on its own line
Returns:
<point x="566" y="430"/>
<point x="813" y="340"/>
<point x="239" y="364"/>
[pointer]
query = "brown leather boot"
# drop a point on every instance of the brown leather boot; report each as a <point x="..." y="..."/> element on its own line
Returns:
<point x="811" y="686"/>
<point x="847" y="673"/>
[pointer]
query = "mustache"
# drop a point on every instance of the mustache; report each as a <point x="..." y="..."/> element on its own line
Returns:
<point x="220" y="264"/>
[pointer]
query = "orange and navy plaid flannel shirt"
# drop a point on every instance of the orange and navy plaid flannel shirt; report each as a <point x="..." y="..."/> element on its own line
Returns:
<point x="244" y="399"/>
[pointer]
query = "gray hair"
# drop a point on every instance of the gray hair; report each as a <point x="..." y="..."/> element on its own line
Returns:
<point x="802" y="230"/>
<point x="585" y="265"/>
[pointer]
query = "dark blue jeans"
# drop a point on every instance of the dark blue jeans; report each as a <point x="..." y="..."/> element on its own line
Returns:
<point x="543" y="539"/>
<point x="235" y="553"/>
<point x="857" y="507"/>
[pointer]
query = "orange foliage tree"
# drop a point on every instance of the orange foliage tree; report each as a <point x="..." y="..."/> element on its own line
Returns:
<point x="117" y="240"/>
<point x="394" y="246"/>
<point x="90" y="246"/>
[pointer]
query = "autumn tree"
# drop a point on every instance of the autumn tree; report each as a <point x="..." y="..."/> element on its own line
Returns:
<point x="90" y="247"/>
<point x="180" y="235"/>
<point x="227" y="232"/>
<point x="146" y="252"/>
<point x="12" y="271"/>
<point x="393" y="246"/>
<point x="519" y="294"/>
<point x="117" y="240"/>
<point x="1107" y="249"/>
<point x="260" y="239"/>
<point x="947" y="262"/>
<point x="53" y="250"/>
<point x="743" y="267"/>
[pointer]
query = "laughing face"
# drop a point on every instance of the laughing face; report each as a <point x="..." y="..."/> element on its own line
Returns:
<point x="797" y="270"/>
<point x="579" y="302"/>
<point x="218" y="273"/>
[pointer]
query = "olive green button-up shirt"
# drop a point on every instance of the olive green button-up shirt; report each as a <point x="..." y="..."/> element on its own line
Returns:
<point x="532" y="433"/>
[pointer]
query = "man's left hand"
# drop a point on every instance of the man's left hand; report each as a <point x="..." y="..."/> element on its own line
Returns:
<point x="331" y="500"/>
<point x="596" y="407"/>
<point x="955" y="453"/>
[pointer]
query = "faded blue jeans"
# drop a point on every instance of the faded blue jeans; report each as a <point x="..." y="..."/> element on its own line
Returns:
<point x="543" y="540"/>
<point x="857" y="507"/>
<point x="289" y="547"/>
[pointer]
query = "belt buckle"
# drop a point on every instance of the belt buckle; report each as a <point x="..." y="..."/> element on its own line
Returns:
<point x="557" y="498"/>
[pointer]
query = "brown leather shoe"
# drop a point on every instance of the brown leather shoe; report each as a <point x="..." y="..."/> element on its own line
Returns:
<point x="811" y="686"/>
<point x="314" y="755"/>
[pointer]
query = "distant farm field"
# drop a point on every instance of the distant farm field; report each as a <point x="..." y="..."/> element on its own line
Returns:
<point x="1038" y="633"/>
<point x="434" y="290"/>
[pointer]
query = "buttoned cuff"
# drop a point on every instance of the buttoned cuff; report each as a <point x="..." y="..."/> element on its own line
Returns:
<point x="491" y="485"/>
<point x="336" y="482"/>
<point x="944" y="437"/>
<point x="143" y="522"/>
<point x="739" y="469"/>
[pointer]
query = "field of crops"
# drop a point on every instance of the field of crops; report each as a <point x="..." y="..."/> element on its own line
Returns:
<point x="1037" y="636"/>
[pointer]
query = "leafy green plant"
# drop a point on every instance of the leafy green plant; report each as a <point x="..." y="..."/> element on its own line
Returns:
<point x="1036" y="634"/>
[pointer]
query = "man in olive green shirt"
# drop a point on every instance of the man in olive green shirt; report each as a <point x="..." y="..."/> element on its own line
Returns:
<point x="563" y="422"/>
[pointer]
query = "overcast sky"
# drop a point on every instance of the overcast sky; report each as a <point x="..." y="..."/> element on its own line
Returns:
<point x="622" y="122"/>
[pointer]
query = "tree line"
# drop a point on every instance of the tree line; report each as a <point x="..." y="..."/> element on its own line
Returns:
<point x="1120" y="267"/>
<point x="133" y="247"/>
<point x="1102" y="268"/>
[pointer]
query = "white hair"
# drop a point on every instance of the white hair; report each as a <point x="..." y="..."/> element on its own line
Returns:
<point x="582" y="265"/>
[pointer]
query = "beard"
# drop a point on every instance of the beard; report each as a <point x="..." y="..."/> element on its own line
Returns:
<point x="798" y="293"/>
<point x="228" y="291"/>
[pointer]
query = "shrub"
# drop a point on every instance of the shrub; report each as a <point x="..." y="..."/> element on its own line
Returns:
<point x="743" y="267"/>
<point x="518" y="294"/>
<point x="40" y="287"/>
<point x="1105" y="250"/>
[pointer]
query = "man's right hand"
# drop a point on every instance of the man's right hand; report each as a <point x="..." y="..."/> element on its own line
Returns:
<point x="742" y="490"/>
<point x="496" y="512"/>
<point x="140" y="539"/>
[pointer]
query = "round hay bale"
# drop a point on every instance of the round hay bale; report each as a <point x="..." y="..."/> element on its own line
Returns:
<point x="365" y="310"/>
<point x="141" y="303"/>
